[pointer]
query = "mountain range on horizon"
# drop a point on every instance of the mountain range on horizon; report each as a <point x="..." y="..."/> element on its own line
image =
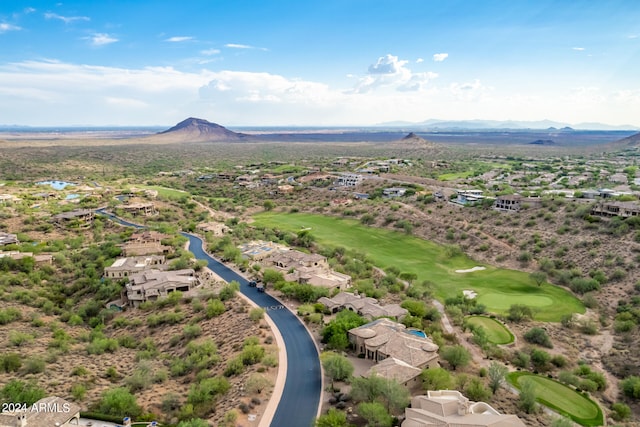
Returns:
<point x="478" y="124"/>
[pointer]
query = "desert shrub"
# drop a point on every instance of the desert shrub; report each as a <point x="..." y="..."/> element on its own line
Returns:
<point x="234" y="367"/>
<point x="214" y="308"/>
<point x="620" y="411"/>
<point x="631" y="387"/>
<point x="538" y="336"/>
<point x="10" y="362"/>
<point x="78" y="391"/>
<point x="34" y="365"/>
<point x="192" y="331"/>
<point x="255" y="314"/>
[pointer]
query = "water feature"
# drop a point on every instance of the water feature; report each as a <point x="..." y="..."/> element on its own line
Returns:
<point x="72" y="196"/>
<point x="56" y="185"/>
<point x="417" y="333"/>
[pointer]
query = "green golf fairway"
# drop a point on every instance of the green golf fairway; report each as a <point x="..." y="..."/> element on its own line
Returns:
<point x="496" y="288"/>
<point x="561" y="398"/>
<point x="497" y="333"/>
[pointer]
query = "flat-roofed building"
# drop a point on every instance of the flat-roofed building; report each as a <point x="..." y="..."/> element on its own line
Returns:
<point x="146" y="209"/>
<point x="79" y="218"/>
<point x="8" y="239"/>
<point x="152" y="285"/>
<point x="449" y="408"/>
<point x="146" y="243"/>
<point x="125" y="267"/>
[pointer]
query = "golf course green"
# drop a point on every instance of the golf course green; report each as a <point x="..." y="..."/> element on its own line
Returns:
<point x="561" y="398"/>
<point x="497" y="333"/>
<point x="496" y="288"/>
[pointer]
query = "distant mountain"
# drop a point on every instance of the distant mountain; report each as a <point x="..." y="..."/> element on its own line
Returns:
<point x="412" y="141"/>
<point x="199" y="130"/>
<point x="631" y="141"/>
<point x="434" y="124"/>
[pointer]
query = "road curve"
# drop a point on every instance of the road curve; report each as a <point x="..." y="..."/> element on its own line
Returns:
<point x="300" y="398"/>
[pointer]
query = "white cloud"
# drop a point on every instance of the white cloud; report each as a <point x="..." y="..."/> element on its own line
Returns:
<point x="579" y="49"/>
<point x="243" y="46"/>
<point x="419" y="61"/>
<point x="101" y="39"/>
<point x="633" y="36"/>
<point x="4" y="27"/>
<point x="66" y="19"/>
<point x="391" y="72"/>
<point x="238" y="46"/>
<point x="210" y="52"/>
<point x="178" y="39"/>
<point x="388" y="64"/>
<point x="469" y="91"/>
<point x="439" y="57"/>
<point x="48" y="93"/>
<point x="28" y="10"/>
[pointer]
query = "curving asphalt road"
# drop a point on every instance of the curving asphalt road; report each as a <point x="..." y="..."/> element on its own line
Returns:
<point x="298" y="405"/>
<point x="300" y="398"/>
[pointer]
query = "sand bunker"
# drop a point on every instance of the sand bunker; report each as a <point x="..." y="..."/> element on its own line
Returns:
<point x="469" y="270"/>
<point x="469" y="294"/>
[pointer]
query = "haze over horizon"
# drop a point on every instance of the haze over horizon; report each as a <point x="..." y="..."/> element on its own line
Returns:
<point x="318" y="63"/>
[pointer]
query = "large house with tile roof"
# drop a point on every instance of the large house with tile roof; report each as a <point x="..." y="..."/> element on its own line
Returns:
<point x="366" y="307"/>
<point x="384" y="338"/>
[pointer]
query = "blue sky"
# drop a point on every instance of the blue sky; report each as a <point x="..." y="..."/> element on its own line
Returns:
<point x="323" y="63"/>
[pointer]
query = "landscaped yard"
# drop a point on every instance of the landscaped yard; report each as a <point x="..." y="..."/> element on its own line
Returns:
<point x="169" y="193"/>
<point x="497" y="333"/>
<point x="496" y="288"/>
<point x="561" y="398"/>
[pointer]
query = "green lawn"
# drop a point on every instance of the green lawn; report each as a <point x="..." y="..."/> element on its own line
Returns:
<point x="169" y="193"/>
<point x="432" y="262"/>
<point x="497" y="333"/>
<point x="562" y="399"/>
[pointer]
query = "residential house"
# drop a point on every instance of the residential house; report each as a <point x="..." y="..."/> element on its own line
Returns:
<point x="449" y="408"/>
<point x="315" y="178"/>
<point x="384" y="338"/>
<point x="394" y="369"/>
<point x="125" y="267"/>
<point x="394" y="192"/>
<point x="8" y="239"/>
<point x="285" y="189"/>
<point x="40" y="259"/>
<point x="312" y="269"/>
<point x="367" y="307"/>
<point x="621" y="209"/>
<point x="468" y="197"/>
<point x="146" y="243"/>
<point x="145" y="209"/>
<point x="46" y="412"/>
<point x="79" y="218"/>
<point x="515" y="202"/>
<point x="349" y="180"/>
<point x="215" y="228"/>
<point x="619" y="178"/>
<point x="259" y="250"/>
<point x="151" y="285"/>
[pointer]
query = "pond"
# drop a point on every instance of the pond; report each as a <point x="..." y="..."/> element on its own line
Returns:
<point x="56" y="185"/>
